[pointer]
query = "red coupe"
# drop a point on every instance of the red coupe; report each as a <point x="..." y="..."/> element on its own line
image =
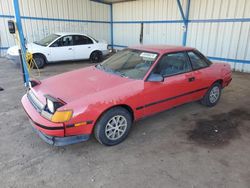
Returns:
<point x="107" y="98"/>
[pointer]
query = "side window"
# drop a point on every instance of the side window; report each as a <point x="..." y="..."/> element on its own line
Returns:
<point x="172" y="64"/>
<point x="67" y="41"/>
<point x="197" y="61"/>
<point x="64" y="41"/>
<point x="81" y="40"/>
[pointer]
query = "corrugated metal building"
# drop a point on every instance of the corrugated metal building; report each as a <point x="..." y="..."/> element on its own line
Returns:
<point x="218" y="28"/>
<point x="42" y="17"/>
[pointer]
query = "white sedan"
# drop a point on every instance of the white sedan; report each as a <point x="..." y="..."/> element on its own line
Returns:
<point x="63" y="47"/>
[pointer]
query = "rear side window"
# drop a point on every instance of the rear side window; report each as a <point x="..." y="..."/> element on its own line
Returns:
<point x="196" y="61"/>
<point x="172" y="64"/>
<point x="82" y="40"/>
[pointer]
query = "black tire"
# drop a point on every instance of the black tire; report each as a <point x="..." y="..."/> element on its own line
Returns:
<point x="103" y="125"/>
<point x="40" y="61"/>
<point x="210" y="101"/>
<point x="96" y="57"/>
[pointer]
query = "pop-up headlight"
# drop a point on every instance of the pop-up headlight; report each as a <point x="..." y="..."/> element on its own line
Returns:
<point x="50" y="106"/>
<point x="51" y="113"/>
<point x="53" y="104"/>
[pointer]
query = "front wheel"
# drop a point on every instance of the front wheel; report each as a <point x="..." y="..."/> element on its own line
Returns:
<point x="212" y="97"/>
<point x="39" y="60"/>
<point x="113" y="127"/>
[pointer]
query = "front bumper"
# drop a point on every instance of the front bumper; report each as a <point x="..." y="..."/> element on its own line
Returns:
<point x="51" y="133"/>
<point x="14" y="59"/>
<point x="61" y="141"/>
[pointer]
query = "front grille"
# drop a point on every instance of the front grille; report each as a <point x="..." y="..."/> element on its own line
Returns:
<point x="34" y="101"/>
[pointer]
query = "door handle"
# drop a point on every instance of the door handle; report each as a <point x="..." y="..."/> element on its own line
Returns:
<point x="70" y="49"/>
<point x="191" y="79"/>
<point x="89" y="47"/>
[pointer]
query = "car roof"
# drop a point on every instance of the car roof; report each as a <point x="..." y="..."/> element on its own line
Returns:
<point x="161" y="48"/>
<point x="69" y="33"/>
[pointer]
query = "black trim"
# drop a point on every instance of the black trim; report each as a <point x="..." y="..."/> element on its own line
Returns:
<point x="47" y="128"/>
<point x="171" y="98"/>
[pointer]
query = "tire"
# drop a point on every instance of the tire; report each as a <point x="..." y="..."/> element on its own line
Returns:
<point x="96" y="57"/>
<point x="107" y="129"/>
<point x="212" y="96"/>
<point x="40" y="61"/>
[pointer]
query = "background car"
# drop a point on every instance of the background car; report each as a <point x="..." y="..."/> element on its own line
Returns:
<point x="130" y="85"/>
<point x="64" y="47"/>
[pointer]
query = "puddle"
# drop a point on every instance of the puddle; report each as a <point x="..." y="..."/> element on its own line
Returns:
<point x="219" y="129"/>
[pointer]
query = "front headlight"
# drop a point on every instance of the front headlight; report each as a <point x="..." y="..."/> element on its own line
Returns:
<point x="51" y="113"/>
<point x="53" y="103"/>
<point x="50" y="105"/>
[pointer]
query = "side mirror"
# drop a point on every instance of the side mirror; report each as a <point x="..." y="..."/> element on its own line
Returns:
<point x="155" y="78"/>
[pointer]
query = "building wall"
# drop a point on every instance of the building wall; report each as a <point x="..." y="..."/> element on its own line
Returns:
<point x="42" y="17"/>
<point x="161" y="22"/>
<point x="218" y="28"/>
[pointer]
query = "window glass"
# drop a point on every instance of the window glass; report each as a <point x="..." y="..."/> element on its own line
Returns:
<point x="197" y="61"/>
<point x="64" y="41"/>
<point x="47" y="40"/>
<point x="172" y="64"/>
<point x="81" y="40"/>
<point x="67" y="41"/>
<point x="129" y="63"/>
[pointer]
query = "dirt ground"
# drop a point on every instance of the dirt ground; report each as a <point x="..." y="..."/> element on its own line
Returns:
<point x="189" y="146"/>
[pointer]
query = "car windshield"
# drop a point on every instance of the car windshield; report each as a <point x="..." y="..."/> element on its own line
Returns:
<point x="47" y="40"/>
<point x="129" y="63"/>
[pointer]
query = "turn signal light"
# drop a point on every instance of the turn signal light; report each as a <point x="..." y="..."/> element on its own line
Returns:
<point x="80" y="124"/>
<point x="61" y="116"/>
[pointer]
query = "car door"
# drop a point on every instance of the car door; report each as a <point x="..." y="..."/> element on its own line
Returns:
<point x="176" y="87"/>
<point x="200" y="75"/>
<point x="62" y="49"/>
<point x="83" y="46"/>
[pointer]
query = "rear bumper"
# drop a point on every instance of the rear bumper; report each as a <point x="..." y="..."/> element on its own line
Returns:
<point x="105" y="52"/>
<point x="61" y="141"/>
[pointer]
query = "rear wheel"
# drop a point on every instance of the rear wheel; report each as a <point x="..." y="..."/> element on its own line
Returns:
<point x="212" y="97"/>
<point x="40" y="61"/>
<point x="96" y="57"/>
<point x="113" y="127"/>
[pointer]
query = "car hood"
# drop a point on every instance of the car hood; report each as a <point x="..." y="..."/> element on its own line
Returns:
<point x="77" y="84"/>
<point x="13" y="51"/>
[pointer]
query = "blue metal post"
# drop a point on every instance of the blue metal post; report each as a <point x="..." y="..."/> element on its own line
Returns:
<point x="185" y="20"/>
<point x="111" y="26"/>
<point x="22" y="41"/>
<point x="181" y="10"/>
<point x="184" y="39"/>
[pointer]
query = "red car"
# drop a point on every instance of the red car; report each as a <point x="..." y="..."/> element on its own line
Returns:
<point x="107" y="98"/>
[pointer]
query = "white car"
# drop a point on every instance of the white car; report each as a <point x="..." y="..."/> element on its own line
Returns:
<point x="63" y="47"/>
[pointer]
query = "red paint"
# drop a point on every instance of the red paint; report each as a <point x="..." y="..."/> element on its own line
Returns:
<point x="89" y="92"/>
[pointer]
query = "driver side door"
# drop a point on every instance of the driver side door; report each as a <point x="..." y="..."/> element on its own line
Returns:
<point x="176" y="87"/>
<point x="62" y="49"/>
